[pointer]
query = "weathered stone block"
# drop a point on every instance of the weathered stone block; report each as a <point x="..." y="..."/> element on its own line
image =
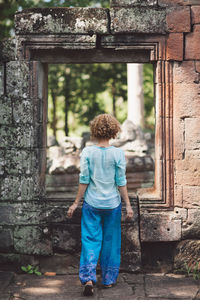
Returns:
<point x="175" y="47"/>
<point x="158" y="227"/>
<point x="197" y="66"/>
<point x="192" y="49"/>
<point x="6" y="110"/>
<point x="6" y="238"/>
<point x="190" y="228"/>
<point x="60" y="263"/>
<point x="185" y="72"/>
<point x="18" y="136"/>
<point x="178" y="20"/>
<point x="192" y="133"/>
<point x="8" y="49"/>
<point x="17" y="188"/>
<point x="191" y="196"/>
<point x="179" y="2"/>
<point x="186" y="100"/>
<point x="17" y="74"/>
<point x="13" y="261"/>
<point x="22" y="213"/>
<point x="61" y="20"/>
<point x="187" y="172"/>
<point x="22" y="111"/>
<point x="66" y="238"/>
<point x="195" y="11"/>
<point x="178" y="195"/>
<point x="2" y="162"/>
<point x="1" y="79"/>
<point x="179" y="138"/>
<point x="19" y="161"/>
<point x="32" y="240"/>
<point x="129" y="3"/>
<point x="186" y="251"/>
<point x="138" y="20"/>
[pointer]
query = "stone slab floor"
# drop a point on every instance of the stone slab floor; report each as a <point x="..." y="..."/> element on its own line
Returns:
<point x="129" y="286"/>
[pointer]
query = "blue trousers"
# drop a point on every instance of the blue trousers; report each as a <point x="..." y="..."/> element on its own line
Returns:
<point x="100" y="236"/>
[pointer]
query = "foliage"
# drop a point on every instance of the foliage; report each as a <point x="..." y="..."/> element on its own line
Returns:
<point x="193" y="269"/>
<point x="31" y="270"/>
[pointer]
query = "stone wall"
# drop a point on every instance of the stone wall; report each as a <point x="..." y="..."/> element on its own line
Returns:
<point x="163" y="32"/>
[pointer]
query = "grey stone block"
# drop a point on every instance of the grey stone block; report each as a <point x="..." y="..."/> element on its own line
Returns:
<point x="18" y="161"/>
<point x="17" y="188"/>
<point x="6" y="238"/>
<point x="22" y="111"/>
<point x="60" y="263"/>
<point x="138" y="20"/>
<point x="191" y="228"/>
<point x="17" y="78"/>
<point x="32" y="240"/>
<point x="130" y="3"/>
<point x="159" y="227"/>
<point x="66" y="238"/>
<point x="14" y="261"/>
<point x="22" y="214"/>
<point x="2" y="162"/>
<point x="186" y="252"/>
<point x="20" y="136"/>
<point x="8" y="49"/>
<point x="6" y="110"/>
<point x="62" y="20"/>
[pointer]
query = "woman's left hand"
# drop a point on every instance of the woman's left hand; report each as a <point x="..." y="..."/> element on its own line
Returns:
<point x="129" y="212"/>
<point x="71" y="210"/>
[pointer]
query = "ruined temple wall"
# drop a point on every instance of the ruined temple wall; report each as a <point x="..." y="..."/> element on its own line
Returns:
<point x="29" y="225"/>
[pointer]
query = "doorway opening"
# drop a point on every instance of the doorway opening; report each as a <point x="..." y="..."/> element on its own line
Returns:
<point x="79" y="92"/>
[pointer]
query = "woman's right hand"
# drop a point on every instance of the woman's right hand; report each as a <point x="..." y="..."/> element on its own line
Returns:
<point x="129" y="212"/>
<point x="71" y="210"/>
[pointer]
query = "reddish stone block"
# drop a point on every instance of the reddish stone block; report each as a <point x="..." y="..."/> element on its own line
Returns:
<point x="195" y="11"/>
<point x="192" y="49"/>
<point x="178" y="196"/>
<point x="175" y="2"/>
<point x="184" y="72"/>
<point x="187" y="172"/>
<point x="197" y="66"/>
<point x="191" y="196"/>
<point x="196" y="28"/>
<point x="192" y="135"/>
<point x="179" y="146"/>
<point x="178" y="20"/>
<point x="175" y="47"/>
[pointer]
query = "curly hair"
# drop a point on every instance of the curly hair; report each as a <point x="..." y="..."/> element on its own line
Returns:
<point x="104" y="126"/>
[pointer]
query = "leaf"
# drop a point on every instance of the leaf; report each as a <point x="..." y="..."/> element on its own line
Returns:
<point x="24" y="269"/>
<point x="38" y="273"/>
<point x="29" y="267"/>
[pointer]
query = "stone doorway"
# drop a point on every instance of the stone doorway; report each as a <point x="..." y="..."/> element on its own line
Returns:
<point x="100" y="35"/>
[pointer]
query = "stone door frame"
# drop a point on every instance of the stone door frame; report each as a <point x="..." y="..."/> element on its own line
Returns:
<point x="41" y="50"/>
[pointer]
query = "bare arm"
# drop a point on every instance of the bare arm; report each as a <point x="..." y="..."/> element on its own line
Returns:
<point x="124" y="194"/>
<point x="81" y="191"/>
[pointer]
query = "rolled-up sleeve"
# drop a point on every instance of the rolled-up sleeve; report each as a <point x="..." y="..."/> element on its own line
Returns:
<point x="120" y="172"/>
<point x="84" y="176"/>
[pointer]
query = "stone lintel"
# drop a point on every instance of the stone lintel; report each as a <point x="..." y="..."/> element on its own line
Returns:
<point x="132" y="3"/>
<point x="62" y="21"/>
<point x="138" y="20"/>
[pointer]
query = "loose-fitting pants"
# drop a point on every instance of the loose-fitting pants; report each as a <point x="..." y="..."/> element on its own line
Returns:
<point x="100" y="236"/>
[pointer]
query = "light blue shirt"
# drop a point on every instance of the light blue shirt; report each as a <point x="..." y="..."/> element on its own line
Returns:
<point x="103" y="169"/>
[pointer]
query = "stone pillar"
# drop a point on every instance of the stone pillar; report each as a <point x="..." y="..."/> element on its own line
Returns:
<point x="22" y="154"/>
<point x="135" y="94"/>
